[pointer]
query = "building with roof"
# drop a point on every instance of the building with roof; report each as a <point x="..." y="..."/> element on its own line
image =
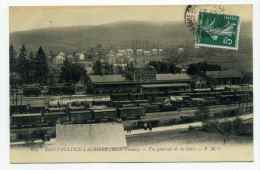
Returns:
<point x="88" y="65"/>
<point x="141" y="74"/>
<point x="168" y="83"/>
<point x="59" y="59"/>
<point x="178" y="77"/>
<point x="107" y="78"/>
<point x="142" y="83"/>
<point x="79" y="56"/>
<point x="112" y="83"/>
<point x="70" y="58"/>
<point x="156" y="88"/>
<point x="224" y="77"/>
<point x="145" y="80"/>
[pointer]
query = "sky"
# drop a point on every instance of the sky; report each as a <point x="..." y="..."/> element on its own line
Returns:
<point x="35" y="17"/>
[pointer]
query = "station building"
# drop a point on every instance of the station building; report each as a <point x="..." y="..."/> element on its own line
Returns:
<point x="168" y="83"/>
<point x="147" y="83"/>
<point x="145" y="80"/>
<point x="224" y="77"/>
<point x="112" y="83"/>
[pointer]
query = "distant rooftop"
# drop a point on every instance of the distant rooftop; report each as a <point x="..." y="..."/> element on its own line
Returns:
<point x="165" y="85"/>
<point x="170" y="76"/>
<point x="224" y="74"/>
<point x="142" y="66"/>
<point x="107" y="78"/>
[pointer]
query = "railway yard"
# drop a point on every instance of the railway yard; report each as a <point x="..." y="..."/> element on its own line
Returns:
<point x="35" y="117"/>
<point x="103" y="86"/>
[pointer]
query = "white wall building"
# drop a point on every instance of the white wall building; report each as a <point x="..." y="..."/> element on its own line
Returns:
<point x="59" y="59"/>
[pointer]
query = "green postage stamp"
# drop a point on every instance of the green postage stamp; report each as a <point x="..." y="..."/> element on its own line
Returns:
<point x="217" y="30"/>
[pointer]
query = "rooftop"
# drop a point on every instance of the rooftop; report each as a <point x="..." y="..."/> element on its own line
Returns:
<point x="224" y="74"/>
<point x="104" y="110"/>
<point x="143" y="67"/>
<point x="107" y="78"/>
<point x="170" y="76"/>
<point x="26" y="115"/>
<point x="165" y="85"/>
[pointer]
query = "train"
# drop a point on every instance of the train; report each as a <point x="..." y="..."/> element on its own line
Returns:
<point x="89" y="108"/>
<point x="70" y="89"/>
<point x="158" y="104"/>
<point x="103" y="109"/>
<point x="37" y="89"/>
<point x="52" y="116"/>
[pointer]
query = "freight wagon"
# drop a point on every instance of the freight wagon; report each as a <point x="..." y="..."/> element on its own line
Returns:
<point x="131" y="112"/>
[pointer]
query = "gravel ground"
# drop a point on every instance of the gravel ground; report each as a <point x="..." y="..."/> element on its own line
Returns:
<point x="154" y="147"/>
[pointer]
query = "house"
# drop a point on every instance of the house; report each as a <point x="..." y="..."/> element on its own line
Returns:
<point x="59" y="59"/>
<point x="80" y="56"/>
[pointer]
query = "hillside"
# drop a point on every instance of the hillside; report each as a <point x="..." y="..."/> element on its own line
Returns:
<point x="116" y="34"/>
<point x="123" y="34"/>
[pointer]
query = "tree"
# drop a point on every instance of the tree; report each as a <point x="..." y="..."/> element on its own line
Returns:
<point x="165" y="67"/>
<point x="31" y="65"/>
<point x="174" y="69"/>
<point x="22" y="64"/>
<point x="51" y="77"/>
<point x="91" y="53"/>
<point x="72" y="73"/>
<point x="100" y="51"/>
<point x="12" y="56"/>
<point x="98" y="67"/>
<point x="78" y="73"/>
<point x="41" y="73"/>
<point x="107" y="68"/>
<point x="66" y="71"/>
<point x="201" y="68"/>
<point x="52" y="56"/>
<point x="129" y="70"/>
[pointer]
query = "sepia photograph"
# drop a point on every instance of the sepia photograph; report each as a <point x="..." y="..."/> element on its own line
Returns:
<point x="165" y="83"/>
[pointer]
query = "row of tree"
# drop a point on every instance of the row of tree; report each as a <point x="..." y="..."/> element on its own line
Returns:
<point x="161" y="67"/>
<point x="31" y="68"/>
<point x="34" y="68"/>
<point x="72" y="72"/>
<point x="101" y="68"/>
<point x="165" y="67"/>
<point x="201" y="68"/>
<point x="196" y="68"/>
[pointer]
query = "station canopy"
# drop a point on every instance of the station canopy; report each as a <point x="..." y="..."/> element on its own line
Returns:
<point x="165" y="85"/>
<point x="173" y="77"/>
<point x="107" y="78"/>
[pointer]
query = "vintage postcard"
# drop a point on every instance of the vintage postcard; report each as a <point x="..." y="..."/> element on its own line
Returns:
<point x="171" y="83"/>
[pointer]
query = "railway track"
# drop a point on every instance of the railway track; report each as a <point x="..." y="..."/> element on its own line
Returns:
<point x="172" y="128"/>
